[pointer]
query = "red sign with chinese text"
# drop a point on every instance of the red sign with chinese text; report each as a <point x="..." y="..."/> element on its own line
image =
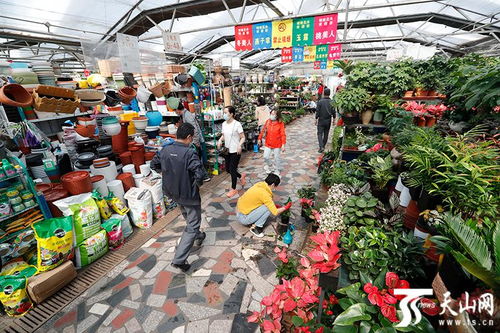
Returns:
<point x="334" y="51"/>
<point x="286" y="54"/>
<point x="317" y="65"/>
<point x="325" y="29"/>
<point x="243" y="37"/>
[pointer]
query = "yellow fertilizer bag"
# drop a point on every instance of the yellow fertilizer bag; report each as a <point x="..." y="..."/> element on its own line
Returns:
<point x="13" y="295"/>
<point x="54" y="242"/>
<point x="18" y="267"/>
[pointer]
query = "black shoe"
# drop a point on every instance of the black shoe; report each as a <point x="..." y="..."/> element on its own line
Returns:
<point x="200" y="239"/>
<point x="258" y="231"/>
<point x="183" y="267"/>
<point x="320" y="150"/>
<point x="207" y="179"/>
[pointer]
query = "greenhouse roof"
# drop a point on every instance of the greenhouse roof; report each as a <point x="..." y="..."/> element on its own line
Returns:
<point x="53" y="30"/>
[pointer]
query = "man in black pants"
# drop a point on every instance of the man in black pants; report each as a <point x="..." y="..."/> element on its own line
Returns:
<point x="324" y="114"/>
<point x="182" y="175"/>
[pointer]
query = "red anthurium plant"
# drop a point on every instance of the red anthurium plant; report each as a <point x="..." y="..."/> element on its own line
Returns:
<point x="299" y="296"/>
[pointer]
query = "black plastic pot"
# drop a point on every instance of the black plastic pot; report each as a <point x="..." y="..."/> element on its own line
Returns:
<point x="349" y="155"/>
<point x="381" y="194"/>
<point x="454" y="277"/>
<point x="415" y="192"/>
<point x="285" y="219"/>
<point x="282" y="227"/>
<point x="350" y="118"/>
<point x="427" y="201"/>
<point x="112" y="98"/>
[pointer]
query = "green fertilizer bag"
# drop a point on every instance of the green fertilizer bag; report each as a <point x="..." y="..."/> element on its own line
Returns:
<point x="13" y="295"/>
<point x="86" y="217"/>
<point x="54" y="242"/>
<point x="91" y="249"/>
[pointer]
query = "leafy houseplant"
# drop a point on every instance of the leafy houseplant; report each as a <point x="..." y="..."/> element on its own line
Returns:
<point x="476" y="248"/>
<point x="351" y="101"/>
<point x="381" y="174"/>
<point x="401" y="79"/>
<point x="287" y="269"/>
<point x="307" y="192"/>
<point x="369" y="249"/>
<point x="360" y="210"/>
<point x="383" y="103"/>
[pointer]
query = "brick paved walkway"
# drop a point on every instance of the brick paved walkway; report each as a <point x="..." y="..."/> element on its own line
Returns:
<point x="230" y="273"/>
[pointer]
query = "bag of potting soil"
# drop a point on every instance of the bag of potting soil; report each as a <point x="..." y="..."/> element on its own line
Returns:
<point x="54" y="242"/>
<point x="91" y="249"/>
<point x="116" y="204"/>
<point x="154" y="185"/>
<point x="18" y="267"/>
<point x="104" y="209"/>
<point x="126" y="225"/>
<point x="14" y="296"/>
<point x="86" y="217"/>
<point x="113" y="228"/>
<point x="141" y="211"/>
<point x="30" y="257"/>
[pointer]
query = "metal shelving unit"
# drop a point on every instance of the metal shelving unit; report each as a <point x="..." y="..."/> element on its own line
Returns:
<point x="210" y="134"/>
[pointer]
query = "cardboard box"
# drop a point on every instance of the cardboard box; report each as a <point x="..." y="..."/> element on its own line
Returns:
<point x="46" y="284"/>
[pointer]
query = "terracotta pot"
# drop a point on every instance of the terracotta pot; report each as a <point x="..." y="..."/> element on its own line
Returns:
<point x="157" y="90"/>
<point x="86" y="131"/>
<point x="420" y="121"/>
<point x="127" y="179"/>
<point x="54" y="195"/>
<point x="127" y="94"/>
<point x="43" y="187"/>
<point x="432" y="93"/>
<point x="411" y="215"/>
<point x="86" y="121"/>
<point x="137" y="158"/>
<point x="419" y="92"/>
<point x="430" y="121"/>
<point x="366" y="117"/>
<point x="77" y="182"/>
<point x="15" y="95"/>
<point x="409" y="93"/>
<point x="120" y="141"/>
<point x="126" y="158"/>
<point x="148" y="156"/>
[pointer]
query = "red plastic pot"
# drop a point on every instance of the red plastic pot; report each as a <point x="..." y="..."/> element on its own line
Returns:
<point x="127" y="94"/>
<point x="126" y="158"/>
<point x="120" y="141"/>
<point x="430" y="121"/>
<point x="77" y="182"/>
<point x="43" y="187"/>
<point x="127" y="179"/>
<point x="148" y="156"/>
<point x="137" y="158"/>
<point x="54" y="195"/>
<point x="15" y="95"/>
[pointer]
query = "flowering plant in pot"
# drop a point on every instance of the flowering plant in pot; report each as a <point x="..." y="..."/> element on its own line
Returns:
<point x="300" y="295"/>
<point x="287" y="269"/>
<point x="332" y="217"/>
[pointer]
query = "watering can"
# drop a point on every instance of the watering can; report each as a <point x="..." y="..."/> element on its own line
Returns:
<point x="288" y="237"/>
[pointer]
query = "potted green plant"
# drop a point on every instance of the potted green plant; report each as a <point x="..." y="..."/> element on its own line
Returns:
<point x="350" y="102"/>
<point x="381" y="174"/>
<point x="401" y="79"/>
<point x="383" y="103"/>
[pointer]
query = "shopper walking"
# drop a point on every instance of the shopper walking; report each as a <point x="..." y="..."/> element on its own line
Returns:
<point x="256" y="204"/>
<point x="324" y="114"/>
<point x="262" y="112"/>
<point x="233" y="138"/>
<point x="182" y="174"/>
<point x="274" y="134"/>
<point x="198" y="140"/>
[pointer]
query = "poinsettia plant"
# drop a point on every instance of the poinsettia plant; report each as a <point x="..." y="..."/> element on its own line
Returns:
<point x="300" y="295"/>
<point x="369" y="306"/>
<point x="287" y="269"/>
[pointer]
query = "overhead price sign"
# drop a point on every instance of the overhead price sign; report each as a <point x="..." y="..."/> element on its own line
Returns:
<point x="334" y="51"/>
<point x="282" y="33"/>
<point x="130" y="57"/>
<point x="303" y="31"/>
<point x="298" y="53"/>
<point x="262" y="34"/>
<point x="321" y="52"/>
<point x="309" y="53"/>
<point x="243" y="37"/>
<point x="172" y="42"/>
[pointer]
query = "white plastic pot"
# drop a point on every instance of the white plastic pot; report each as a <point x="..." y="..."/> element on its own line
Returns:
<point x="143" y="94"/>
<point x="140" y="124"/>
<point x="111" y="129"/>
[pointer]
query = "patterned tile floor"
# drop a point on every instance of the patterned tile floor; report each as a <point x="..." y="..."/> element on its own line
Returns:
<point x="230" y="273"/>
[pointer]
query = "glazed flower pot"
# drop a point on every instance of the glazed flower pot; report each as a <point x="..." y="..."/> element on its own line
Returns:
<point x="140" y="123"/>
<point x="378" y="117"/>
<point x="111" y="126"/>
<point x="127" y="94"/>
<point x="154" y="118"/>
<point x="366" y="117"/>
<point x="15" y="95"/>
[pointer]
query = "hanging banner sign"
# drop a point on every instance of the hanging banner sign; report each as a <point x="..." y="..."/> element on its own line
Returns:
<point x="325" y="29"/>
<point x="334" y="51"/>
<point x="317" y="65"/>
<point x="309" y="53"/>
<point x="262" y="34"/>
<point x="298" y="54"/>
<point x="330" y="64"/>
<point x="172" y="42"/>
<point x="286" y="54"/>
<point x="128" y="49"/>
<point x="282" y="33"/>
<point x="243" y="37"/>
<point x="303" y="31"/>
<point x="321" y="52"/>
<point x="322" y="65"/>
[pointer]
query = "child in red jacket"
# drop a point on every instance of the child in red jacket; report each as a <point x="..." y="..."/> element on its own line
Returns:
<point x="274" y="133"/>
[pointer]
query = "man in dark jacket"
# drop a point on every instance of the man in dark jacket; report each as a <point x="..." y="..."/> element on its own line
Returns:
<point x="324" y="114"/>
<point x="182" y="174"/>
